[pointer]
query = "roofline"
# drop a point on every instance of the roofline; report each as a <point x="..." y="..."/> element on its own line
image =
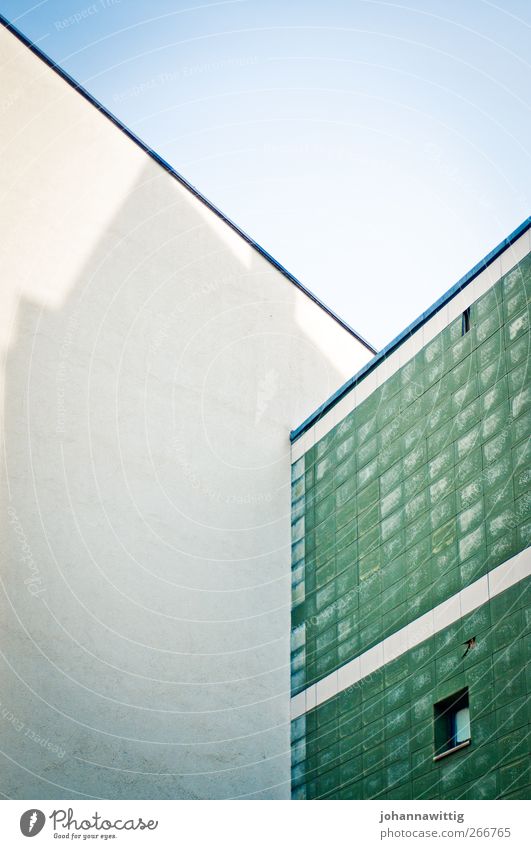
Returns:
<point x="175" y="174"/>
<point x="412" y="328"/>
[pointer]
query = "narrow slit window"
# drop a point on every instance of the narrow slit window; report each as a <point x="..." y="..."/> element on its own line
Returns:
<point x="465" y="321"/>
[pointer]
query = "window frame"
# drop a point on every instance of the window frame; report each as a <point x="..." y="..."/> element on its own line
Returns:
<point x="444" y="724"/>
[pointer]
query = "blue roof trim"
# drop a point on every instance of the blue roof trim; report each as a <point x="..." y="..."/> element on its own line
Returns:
<point x="412" y="328"/>
<point x="175" y="174"/>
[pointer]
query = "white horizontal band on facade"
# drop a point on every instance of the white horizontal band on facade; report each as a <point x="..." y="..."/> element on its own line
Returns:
<point x="468" y="599"/>
<point x="481" y="284"/>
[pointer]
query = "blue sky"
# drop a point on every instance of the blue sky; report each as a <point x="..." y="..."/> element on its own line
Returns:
<point x="377" y="149"/>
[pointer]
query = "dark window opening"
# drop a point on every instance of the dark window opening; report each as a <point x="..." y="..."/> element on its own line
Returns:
<point x="452" y="724"/>
<point x="465" y="321"/>
<point x="469" y="644"/>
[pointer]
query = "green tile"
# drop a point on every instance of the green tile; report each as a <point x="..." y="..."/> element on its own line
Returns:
<point x="368" y="519"/>
<point x="391" y="501"/>
<point x="369" y="541"/>
<point x="490" y="374"/>
<point x="471" y="517"/>
<point x="474" y="567"/>
<point x="471" y="543"/>
<point x="516" y="327"/>
<point x="367" y="452"/>
<point x="438" y="441"/>
<point x="487" y="326"/>
<point x="389" y="455"/>
<point x="324" y="467"/>
<point x="521" y="428"/>
<point x="489" y="302"/>
<point x="518" y="379"/>
<point x="446" y="484"/>
<point x="420" y="553"/>
<point x="494" y="396"/>
<point x="466" y="418"/>
<point x="461" y="348"/>
<point x="463" y="396"/>
<point x="393" y="524"/>
<point x="437" y="414"/>
<point x="497" y="497"/>
<point x="345" y="449"/>
<point x="346" y="535"/>
<point x="415" y="483"/>
<point x="389" y="410"/>
<point x="368" y="496"/>
<point x="491" y="349"/>
<point x="496" y="447"/>
<point x="416" y="505"/>
<point x="325" y="509"/>
<point x="521" y="402"/>
<point x="442" y="463"/>
<point x="496" y="422"/>
<point x="415" y="458"/>
<point x="514" y="280"/>
<point x="417" y="530"/>
<point x="523" y="508"/>
<point x="345" y="492"/>
<point x="347" y="557"/>
<point x="517" y="352"/>
<point x="345" y="514"/>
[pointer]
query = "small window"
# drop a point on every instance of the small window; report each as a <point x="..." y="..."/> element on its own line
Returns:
<point x="452" y="724"/>
<point x="465" y="321"/>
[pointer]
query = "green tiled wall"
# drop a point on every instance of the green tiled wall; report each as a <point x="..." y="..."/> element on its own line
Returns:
<point x="419" y="491"/>
<point x="375" y="740"/>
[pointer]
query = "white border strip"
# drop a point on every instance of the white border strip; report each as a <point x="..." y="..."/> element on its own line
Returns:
<point x="440" y="617"/>
<point x="512" y="255"/>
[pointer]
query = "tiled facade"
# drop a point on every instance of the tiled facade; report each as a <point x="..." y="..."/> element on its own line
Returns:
<point x="375" y="739"/>
<point x="419" y="491"/>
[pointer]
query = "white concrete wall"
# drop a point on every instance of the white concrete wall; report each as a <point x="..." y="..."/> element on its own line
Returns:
<point x="152" y="364"/>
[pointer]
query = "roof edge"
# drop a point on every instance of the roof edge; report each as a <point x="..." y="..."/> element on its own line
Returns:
<point x="410" y="329"/>
<point x="175" y="174"/>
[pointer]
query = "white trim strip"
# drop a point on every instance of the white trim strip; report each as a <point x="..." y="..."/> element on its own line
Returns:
<point x="460" y="604"/>
<point x="512" y="255"/>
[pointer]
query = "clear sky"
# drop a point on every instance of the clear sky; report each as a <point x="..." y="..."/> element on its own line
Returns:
<point x="377" y="149"/>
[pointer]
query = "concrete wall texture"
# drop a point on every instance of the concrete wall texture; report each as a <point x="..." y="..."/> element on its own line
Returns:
<point x="418" y="493"/>
<point x="152" y="365"/>
<point x="153" y="362"/>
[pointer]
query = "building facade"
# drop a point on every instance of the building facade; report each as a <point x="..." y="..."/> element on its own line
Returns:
<point x="411" y="514"/>
<point x="153" y="361"/>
